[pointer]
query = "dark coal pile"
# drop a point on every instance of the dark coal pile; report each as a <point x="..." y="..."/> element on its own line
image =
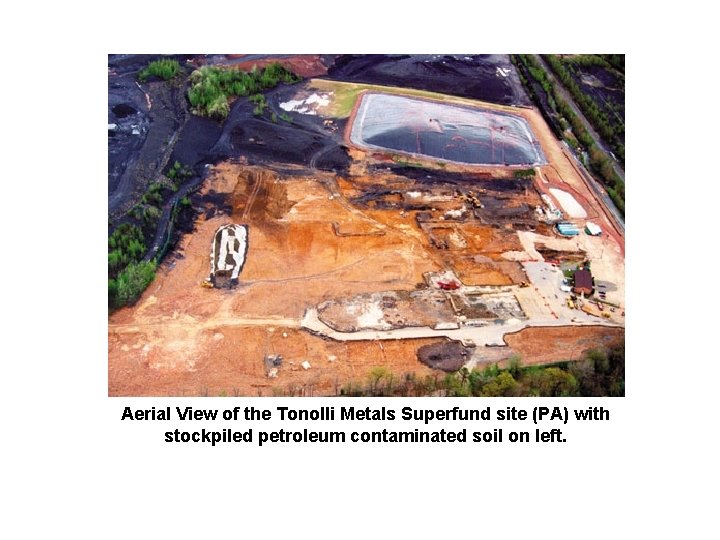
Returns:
<point x="128" y="123"/>
<point x="449" y="356"/>
<point x="334" y="159"/>
<point x="196" y="140"/>
<point x="486" y="77"/>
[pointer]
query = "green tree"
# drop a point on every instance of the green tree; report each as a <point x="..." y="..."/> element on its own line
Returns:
<point x="132" y="282"/>
<point x="502" y="385"/>
<point x="551" y="382"/>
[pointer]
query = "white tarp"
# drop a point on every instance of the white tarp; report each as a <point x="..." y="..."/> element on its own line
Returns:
<point x="233" y="243"/>
<point x="568" y="203"/>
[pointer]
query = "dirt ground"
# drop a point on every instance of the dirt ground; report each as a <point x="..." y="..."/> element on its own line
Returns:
<point x="553" y="344"/>
<point x="182" y="338"/>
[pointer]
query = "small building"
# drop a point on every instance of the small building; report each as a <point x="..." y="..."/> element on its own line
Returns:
<point x="567" y="229"/>
<point x="592" y="229"/>
<point x="583" y="282"/>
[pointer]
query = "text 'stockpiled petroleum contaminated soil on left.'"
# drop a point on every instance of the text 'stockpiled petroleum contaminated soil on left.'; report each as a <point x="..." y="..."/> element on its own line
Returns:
<point x="362" y="425"/>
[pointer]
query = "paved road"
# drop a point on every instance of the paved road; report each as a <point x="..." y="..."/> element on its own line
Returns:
<point x="567" y="97"/>
<point x="491" y="335"/>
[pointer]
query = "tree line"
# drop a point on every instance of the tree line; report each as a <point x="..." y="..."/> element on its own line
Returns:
<point x="599" y="161"/>
<point x="612" y="132"/>
<point x="600" y="372"/>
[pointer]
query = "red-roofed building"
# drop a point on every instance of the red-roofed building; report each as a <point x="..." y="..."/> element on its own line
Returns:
<point x="583" y="282"/>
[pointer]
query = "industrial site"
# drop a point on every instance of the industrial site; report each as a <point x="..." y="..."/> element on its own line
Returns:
<point x="370" y="225"/>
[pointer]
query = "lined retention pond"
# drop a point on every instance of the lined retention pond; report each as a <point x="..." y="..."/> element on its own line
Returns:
<point x="446" y="132"/>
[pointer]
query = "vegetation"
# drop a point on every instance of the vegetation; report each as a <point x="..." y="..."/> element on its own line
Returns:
<point x="148" y="210"/>
<point x="260" y="104"/>
<point x="163" y="69"/>
<point x="404" y="162"/>
<point x="178" y="171"/>
<point x="127" y="275"/>
<point x="130" y="283"/>
<point x="524" y="173"/>
<point x="598" y="373"/>
<point x="212" y="86"/>
<point x="612" y="131"/>
<point x="600" y="162"/>
<point x="615" y="60"/>
<point x="125" y="245"/>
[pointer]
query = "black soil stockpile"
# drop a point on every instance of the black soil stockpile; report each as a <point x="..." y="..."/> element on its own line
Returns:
<point x="449" y="356"/>
<point x="485" y="77"/>
<point x="198" y="137"/>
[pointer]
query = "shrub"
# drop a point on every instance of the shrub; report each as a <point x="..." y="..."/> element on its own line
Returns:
<point x="211" y="86"/>
<point x="125" y="245"/>
<point x="164" y="69"/>
<point x="524" y="173"/>
<point x="151" y="214"/>
<point x="131" y="282"/>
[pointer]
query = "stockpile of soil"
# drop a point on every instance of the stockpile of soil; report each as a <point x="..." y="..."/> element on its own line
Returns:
<point x="480" y="76"/>
<point x="449" y="356"/>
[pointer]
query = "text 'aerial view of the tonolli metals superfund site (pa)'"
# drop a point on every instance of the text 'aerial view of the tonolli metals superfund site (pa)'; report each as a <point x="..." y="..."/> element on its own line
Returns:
<point x="366" y="225"/>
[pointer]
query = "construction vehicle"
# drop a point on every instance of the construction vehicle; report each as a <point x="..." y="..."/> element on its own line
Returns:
<point x="570" y="304"/>
<point x="207" y="284"/>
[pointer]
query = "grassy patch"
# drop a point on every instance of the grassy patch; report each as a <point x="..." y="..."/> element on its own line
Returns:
<point x="163" y="69"/>
<point x="130" y="283"/>
<point x="524" y="173"/>
<point x="260" y="104"/>
<point x="345" y="95"/>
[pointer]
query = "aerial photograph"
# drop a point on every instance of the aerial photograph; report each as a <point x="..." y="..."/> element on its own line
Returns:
<point x="431" y="225"/>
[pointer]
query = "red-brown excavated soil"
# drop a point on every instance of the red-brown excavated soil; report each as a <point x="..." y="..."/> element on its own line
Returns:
<point x="305" y="65"/>
<point x="183" y="339"/>
<point x="553" y="344"/>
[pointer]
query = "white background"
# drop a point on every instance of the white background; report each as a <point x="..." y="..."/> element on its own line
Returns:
<point x="71" y="469"/>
